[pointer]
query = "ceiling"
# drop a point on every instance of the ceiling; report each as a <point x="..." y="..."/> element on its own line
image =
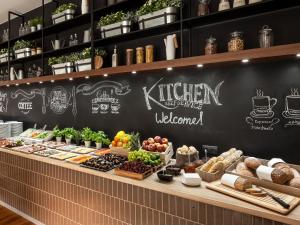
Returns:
<point x="19" y="6"/>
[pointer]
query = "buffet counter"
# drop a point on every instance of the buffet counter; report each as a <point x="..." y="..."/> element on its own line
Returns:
<point x="57" y="192"/>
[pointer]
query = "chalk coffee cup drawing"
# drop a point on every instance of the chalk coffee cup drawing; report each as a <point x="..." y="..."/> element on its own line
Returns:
<point x="262" y="106"/>
<point x="292" y="107"/>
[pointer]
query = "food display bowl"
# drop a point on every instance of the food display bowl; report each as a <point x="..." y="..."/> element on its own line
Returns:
<point x="174" y="170"/>
<point x="164" y="175"/>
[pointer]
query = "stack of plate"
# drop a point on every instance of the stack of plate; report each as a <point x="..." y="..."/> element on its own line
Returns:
<point x="4" y="130"/>
<point x="15" y="127"/>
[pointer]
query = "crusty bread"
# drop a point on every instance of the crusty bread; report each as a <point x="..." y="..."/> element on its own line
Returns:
<point x="252" y="163"/>
<point x="242" y="184"/>
<point x="206" y="167"/>
<point x="218" y="166"/>
<point x="286" y="169"/>
<point x="295" y="182"/>
<point x="279" y="177"/>
<point x="246" y="172"/>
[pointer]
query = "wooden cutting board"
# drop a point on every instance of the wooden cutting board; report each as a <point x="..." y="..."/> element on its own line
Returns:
<point x="266" y="202"/>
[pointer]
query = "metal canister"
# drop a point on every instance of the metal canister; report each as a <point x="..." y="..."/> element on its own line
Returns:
<point x="266" y="37"/>
<point x="139" y="55"/>
<point x="149" y="53"/>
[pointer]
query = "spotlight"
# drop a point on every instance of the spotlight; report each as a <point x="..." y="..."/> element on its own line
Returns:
<point x="298" y="55"/>
<point x="245" y="60"/>
<point x="86" y="77"/>
<point x="41" y="82"/>
<point x="133" y="72"/>
<point x="52" y="81"/>
<point x="71" y="78"/>
<point x="28" y="83"/>
<point x="169" y="69"/>
<point x="200" y="65"/>
<point x="105" y="74"/>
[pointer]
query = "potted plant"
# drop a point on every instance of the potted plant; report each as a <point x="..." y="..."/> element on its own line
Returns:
<point x="157" y="12"/>
<point x="87" y="136"/>
<point x="35" y="24"/>
<point x="4" y="55"/>
<point x="22" y="49"/>
<point x="84" y="61"/>
<point x="63" y="12"/>
<point x="39" y="23"/>
<point x="62" y="64"/>
<point x="68" y="133"/>
<point x="57" y="133"/>
<point x="77" y="136"/>
<point x="100" y="139"/>
<point x="115" y="24"/>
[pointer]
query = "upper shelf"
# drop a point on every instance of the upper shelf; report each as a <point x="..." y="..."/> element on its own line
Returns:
<point x="253" y="55"/>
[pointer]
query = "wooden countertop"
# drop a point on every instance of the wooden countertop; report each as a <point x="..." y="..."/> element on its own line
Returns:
<point x="200" y="194"/>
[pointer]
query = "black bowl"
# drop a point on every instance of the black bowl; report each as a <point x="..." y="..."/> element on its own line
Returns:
<point x="165" y="176"/>
<point x="174" y="170"/>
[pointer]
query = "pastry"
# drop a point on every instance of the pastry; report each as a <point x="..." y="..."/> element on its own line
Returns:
<point x="252" y="163"/>
<point x="294" y="182"/>
<point x="242" y="184"/>
<point x="206" y="167"/>
<point x="217" y="167"/>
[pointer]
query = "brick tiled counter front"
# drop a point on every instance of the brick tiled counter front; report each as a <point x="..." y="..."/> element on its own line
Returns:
<point x="58" y="193"/>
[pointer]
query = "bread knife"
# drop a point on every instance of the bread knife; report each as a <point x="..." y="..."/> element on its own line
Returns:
<point x="277" y="199"/>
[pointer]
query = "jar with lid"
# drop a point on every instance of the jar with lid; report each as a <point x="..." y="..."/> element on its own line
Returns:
<point x="139" y="55"/>
<point x="149" y="53"/>
<point x="203" y="7"/>
<point x="238" y="3"/>
<point x="211" y="46"/>
<point x="129" y="56"/>
<point x="236" y="42"/>
<point x="266" y="37"/>
<point x="224" y="5"/>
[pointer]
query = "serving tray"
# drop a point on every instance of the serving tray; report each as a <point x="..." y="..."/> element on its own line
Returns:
<point x="266" y="202"/>
<point x="137" y="176"/>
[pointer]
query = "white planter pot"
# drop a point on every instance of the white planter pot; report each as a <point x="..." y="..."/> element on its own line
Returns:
<point x="63" y="16"/>
<point x="39" y="26"/>
<point x="98" y="145"/>
<point x="68" y="141"/>
<point x="83" y="65"/>
<point x="85" y="6"/>
<point x="4" y="58"/>
<point x="33" y="29"/>
<point x="22" y="53"/>
<point x="58" y="139"/>
<point x="87" y="144"/>
<point x="62" y="68"/>
<point x="115" y="29"/>
<point x="158" y="18"/>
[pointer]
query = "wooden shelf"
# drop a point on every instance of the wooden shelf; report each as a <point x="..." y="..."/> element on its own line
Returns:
<point x="254" y="55"/>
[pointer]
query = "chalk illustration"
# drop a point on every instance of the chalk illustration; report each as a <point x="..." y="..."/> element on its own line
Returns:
<point x="25" y="104"/>
<point x="3" y="102"/>
<point x="106" y="93"/>
<point x="292" y="105"/>
<point x="262" y="114"/>
<point x="59" y="100"/>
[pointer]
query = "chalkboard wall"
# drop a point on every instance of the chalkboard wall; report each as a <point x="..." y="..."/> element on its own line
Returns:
<point x="252" y="107"/>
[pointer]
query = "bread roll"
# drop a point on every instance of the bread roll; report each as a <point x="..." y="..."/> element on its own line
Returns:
<point x="295" y="182"/>
<point x="208" y="164"/>
<point x="242" y="184"/>
<point x="279" y="177"/>
<point x="246" y="173"/>
<point x="217" y="167"/>
<point x="271" y="174"/>
<point x="286" y="169"/>
<point x="241" y="166"/>
<point x="295" y="172"/>
<point x="252" y="162"/>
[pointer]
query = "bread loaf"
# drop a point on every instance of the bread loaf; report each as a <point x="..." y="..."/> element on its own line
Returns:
<point x="279" y="177"/>
<point x="242" y="184"/>
<point x="295" y="182"/>
<point x="281" y="165"/>
<point x="271" y="174"/>
<point x="242" y="169"/>
<point x="252" y="163"/>
<point x="295" y="172"/>
<point x="218" y="166"/>
<point x="208" y="164"/>
<point x="241" y="166"/>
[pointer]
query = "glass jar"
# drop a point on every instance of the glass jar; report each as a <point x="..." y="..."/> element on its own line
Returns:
<point x="139" y="55"/>
<point x="149" y="53"/>
<point x="211" y="46"/>
<point x="238" y="3"/>
<point x="129" y="56"/>
<point x="236" y="42"/>
<point x="266" y="37"/>
<point x="203" y="8"/>
<point x="224" y="5"/>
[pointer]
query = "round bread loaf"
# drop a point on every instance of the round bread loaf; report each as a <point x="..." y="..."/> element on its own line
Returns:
<point x="295" y="172"/>
<point x="295" y="182"/>
<point x="279" y="177"/>
<point x="246" y="173"/>
<point x="286" y="169"/>
<point x="242" y="184"/>
<point x="252" y="163"/>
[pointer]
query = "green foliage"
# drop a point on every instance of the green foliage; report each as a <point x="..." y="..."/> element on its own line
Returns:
<point x="63" y="59"/>
<point x="101" y="137"/>
<point x="87" y="53"/>
<point x="155" y="5"/>
<point x="87" y="134"/>
<point x="35" y="21"/>
<point x="77" y="136"/>
<point x="3" y="51"/>
<point x="68" y="133"/>
<point x="57" y="132"/>
<point x="135" y="141"/>
<point x="112" y="18"/>
<point x="20" y="44"/>
<point x="64" y="7"/>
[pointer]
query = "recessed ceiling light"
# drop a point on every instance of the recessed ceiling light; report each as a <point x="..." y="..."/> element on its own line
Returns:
<point x="27" y="83"/>
<point x="41" y="82"/>
<point x="52" y="81"/>
<point x="133" y="72"/>
<point x="71" y="78"/>
<point x="245" y="60"/>
<point x="17" y="84"/>
<point x="298" y="55"/>
<point x="169" y="69"/>
<point x="199" y="65"/>
<point x="7" y="85"/>
<point x="105" y="74"/>
<point x="86" y="77"/>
